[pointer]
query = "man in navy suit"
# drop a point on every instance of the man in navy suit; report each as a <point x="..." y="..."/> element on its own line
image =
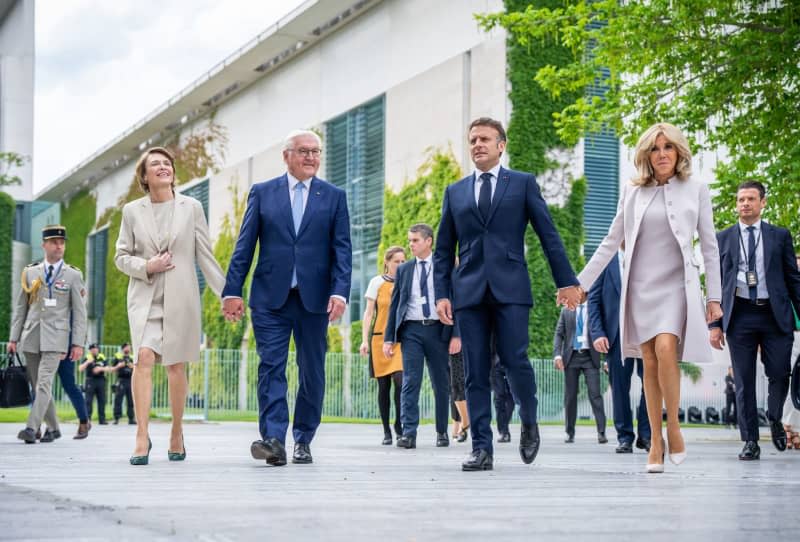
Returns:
<point x="484" y="218"/>
<point x="301" y="282"/>
<point x="413" y="322"/>
<point x="760" y="284"/>
<point x="603" y="303"/>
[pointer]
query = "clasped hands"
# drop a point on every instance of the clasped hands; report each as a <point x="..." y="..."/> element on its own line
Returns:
<point x="570" y="296"/>
<point x="159" y="263"/>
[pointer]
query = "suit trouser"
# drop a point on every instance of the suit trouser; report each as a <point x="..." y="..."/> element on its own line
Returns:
<point x="272" y="329"/>
<point x="42" y="367"/>
<point x="503" y="400"/>
<point x="510" y="324"/>
<point x="423" y="344"/>
<point x="730" y="409"/>
<point x="582" y="363"/>
<point x="123" y="392"/>
<point x="66" y="374"/>
<point x="752" y="328"/>
<point x="619" y="375"/>
<point x="96" y="387"/>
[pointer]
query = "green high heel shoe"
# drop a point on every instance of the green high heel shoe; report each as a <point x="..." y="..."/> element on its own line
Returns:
<point x="142" y="459"/>
<point x="177" y="456"/>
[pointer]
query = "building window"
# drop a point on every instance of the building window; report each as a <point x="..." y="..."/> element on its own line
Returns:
<point x="354" y="153"/>
<point x="96" y="279"/>
<point x="199" y="192"/>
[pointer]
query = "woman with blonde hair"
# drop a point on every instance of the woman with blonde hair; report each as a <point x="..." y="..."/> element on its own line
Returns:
<point x="662" y="315"/>
<point x="386" y="370"/>
<point x="163" y="235"/>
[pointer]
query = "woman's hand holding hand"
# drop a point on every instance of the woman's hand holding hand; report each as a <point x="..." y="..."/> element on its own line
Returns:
<point x="713" y="311"/>
<point x="160" y="263"/>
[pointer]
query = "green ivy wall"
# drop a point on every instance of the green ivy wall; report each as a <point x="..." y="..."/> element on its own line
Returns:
<point x="7" y="212"/>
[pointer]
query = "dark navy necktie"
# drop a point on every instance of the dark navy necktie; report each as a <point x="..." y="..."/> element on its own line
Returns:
<point x="485" y="196"/>
<point x="751" y="258"/>
<point x="49" y="276"/>
<point x="423" y="288"/>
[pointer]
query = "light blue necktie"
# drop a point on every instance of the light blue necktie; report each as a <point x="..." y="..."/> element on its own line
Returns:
<point x="576" y="344"/>
<point x="297" y="217"/>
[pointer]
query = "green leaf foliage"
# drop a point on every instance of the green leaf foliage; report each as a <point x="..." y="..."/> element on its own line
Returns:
<point x="7" y="212"/>
<point x="419" y="201"/>
<point x="78" y="217"/>
<point x="725" y="72"/>
<point x="356" y="328"/>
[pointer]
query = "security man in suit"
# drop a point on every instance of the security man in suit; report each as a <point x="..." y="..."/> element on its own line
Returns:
<point x="49" y="307"/>
<point x="123" y="366"/>
<point x="96" y="368"/>
<point x="574" y="354"/>
<point x="760" y="285"/>
<point x="413" y="322"/>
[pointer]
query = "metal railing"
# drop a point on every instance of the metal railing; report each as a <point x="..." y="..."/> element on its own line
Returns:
<point x="223" y="384"/>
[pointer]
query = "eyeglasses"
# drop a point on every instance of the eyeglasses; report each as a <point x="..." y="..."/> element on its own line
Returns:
<point x="305" y="153"/>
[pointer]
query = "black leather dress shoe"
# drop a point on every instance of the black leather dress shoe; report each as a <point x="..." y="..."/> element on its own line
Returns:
<point x="302" y="454"/>
<point x="601" y="438"/>
<point x="504" y="437"/>
<point x="643" y="443"/>
<point x="624" y="448"/>
<point x="778" y="435"/>
<point x="271" y="450"/>
<point x="50" y="436"/>
<point x="529" y="443"/>
<point x="478" y="460"/>
<point x="28" y="435"/>
<point x="442" y="441"/>
<point x="570" y="439"/>
<point x="387" y="439"/>
<point x="407" y="441"/>
<point x="750" y="452"/>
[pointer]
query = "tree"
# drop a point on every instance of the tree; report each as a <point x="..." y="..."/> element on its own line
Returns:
<point x="8" y="161"/>
<point x="725" y="72"/>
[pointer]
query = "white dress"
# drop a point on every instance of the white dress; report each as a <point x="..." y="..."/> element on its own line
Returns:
<point x="154" y="328"/>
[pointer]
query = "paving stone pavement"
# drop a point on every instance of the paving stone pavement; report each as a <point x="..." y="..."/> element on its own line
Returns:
<point x="357" y="489"/>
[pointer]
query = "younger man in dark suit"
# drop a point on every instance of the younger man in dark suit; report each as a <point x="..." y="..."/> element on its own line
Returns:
<point x="760" y="284"/>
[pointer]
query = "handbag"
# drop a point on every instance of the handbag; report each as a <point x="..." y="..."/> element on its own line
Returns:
<point x="794" y="387"/>
<point x="15" y="390"/>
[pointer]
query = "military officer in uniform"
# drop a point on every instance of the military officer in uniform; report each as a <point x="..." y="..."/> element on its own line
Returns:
<point x="96" y="368"/>
<point x="123" y="366"/>
<point x="49" y="306"/>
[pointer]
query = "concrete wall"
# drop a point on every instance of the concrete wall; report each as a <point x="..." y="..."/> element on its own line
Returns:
<point x="16" y="91"/>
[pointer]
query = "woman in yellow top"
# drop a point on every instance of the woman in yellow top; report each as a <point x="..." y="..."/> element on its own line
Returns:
<point x="385" y="370"/>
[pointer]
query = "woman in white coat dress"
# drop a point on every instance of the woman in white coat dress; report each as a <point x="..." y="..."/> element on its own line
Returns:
<point x="662" y="311"/>
<point x="161" y="238"/>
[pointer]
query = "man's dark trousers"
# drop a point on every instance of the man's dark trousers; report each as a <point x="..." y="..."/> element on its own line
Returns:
<point x="753" y="326"/>
<point x="581" y="362"/>
<point x="66" y="373"/>
<point x="503" y="399"/>
<point x="309" y="330"/>
<point x="123" y="392"/>
<point x="619" y="376"/>
<point x="421" y="343"/>
<point x="96" y="387"/>
<point x="510" y="323"/>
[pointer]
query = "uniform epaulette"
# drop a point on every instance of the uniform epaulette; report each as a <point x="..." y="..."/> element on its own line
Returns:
<point x="34" y="264"/>
<point x="75" y="268"/>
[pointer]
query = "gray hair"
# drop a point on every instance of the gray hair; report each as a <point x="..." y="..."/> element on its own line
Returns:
<point x="288" y="143"/>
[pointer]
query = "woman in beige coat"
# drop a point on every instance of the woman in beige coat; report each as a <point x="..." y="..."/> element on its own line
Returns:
<point x="663" y="318"/>
<point x="161" y="238"/>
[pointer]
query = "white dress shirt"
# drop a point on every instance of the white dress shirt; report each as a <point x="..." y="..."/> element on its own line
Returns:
<point x="741" y="281"/>
<point x="478" y="181"/>
<point x="583" y="339"/>
<point x="414" y="309"/>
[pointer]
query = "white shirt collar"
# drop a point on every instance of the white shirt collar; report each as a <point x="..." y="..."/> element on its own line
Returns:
<point x="743" y="227"/>
<point x="495" y="171"/>
<point x="54" y="264"/>
<point x="293" y="181"/>
<point x="429" y="259"/>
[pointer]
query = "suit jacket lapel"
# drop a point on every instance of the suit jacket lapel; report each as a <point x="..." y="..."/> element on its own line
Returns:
<point x="312" y="204"/>
<point x="733" y="247"/>
<point x="499" y="191"/>
<point x="471" y="202"/>
<point x="285" y="203"/>
<point x="766" y="245"/>
<point x="177" y="219"/>
<point x="149" y="220"/>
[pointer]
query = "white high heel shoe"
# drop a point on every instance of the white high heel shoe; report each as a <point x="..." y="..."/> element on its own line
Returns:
<point x="655" y="468"/>
<point x="677" y="459"/>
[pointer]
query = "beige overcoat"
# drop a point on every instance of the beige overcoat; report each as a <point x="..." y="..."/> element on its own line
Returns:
<point x="189" y="243"/>
<point x="688" y="211"/>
